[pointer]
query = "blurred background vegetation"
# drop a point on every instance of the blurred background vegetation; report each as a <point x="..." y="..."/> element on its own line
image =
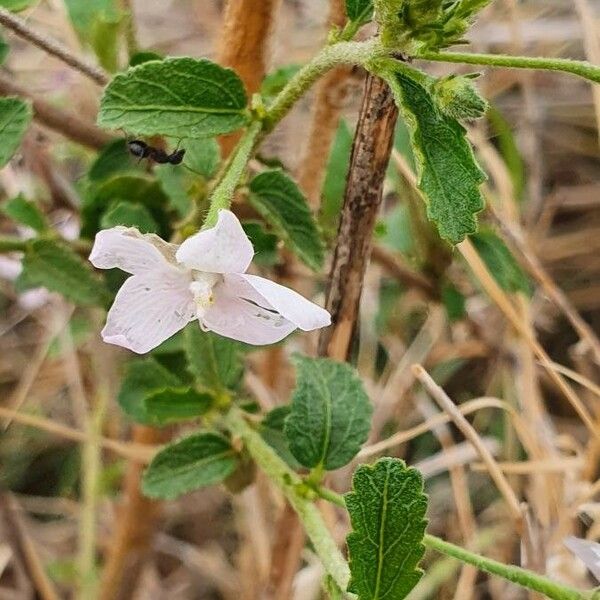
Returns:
<point x="422" y="302"/>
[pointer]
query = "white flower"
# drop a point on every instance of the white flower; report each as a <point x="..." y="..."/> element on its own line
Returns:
<point x="204" y="278"/>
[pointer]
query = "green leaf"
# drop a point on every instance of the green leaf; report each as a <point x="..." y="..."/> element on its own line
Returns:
<point x="104" y="38"/>
<point x="56" y="267"/>
<point x="215" y="361"/>
<point x="143" y="379"/>
<point x="194" y="462"/>
<point x="387" y="511"/>
<point x="202" y="156"/>
<point x="279" y="200"/>
<point x="179" y="97"/>
<point x="15" y="116"/>
<point x="136" y="188"/>
<point x="264" y="244"/>
<point x="144" y="56"/>
<point x="4" y="50"/>
<point x="359" y="11"/>
<point x="449" y="175"/>
<point x="274" y="82"/>
<point x="458" y="97"/>
<point x="26" y="213"/>
<point x="501" y="263"/>
<point x="176" y="184"/>
<point x="454" y="302"/>
<point x="173" y="405"/>
<point x="272" y="430"/>
<point x="113" y="158"/>
<point x="17" y="5"/>
<point x="334" y="185"/>
<point x="330" y="413"/>
<point x="83" y="15"/>
<point x="130" y="215"/>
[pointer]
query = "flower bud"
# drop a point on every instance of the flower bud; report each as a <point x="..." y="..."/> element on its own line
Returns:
<point x="457" y="97"/>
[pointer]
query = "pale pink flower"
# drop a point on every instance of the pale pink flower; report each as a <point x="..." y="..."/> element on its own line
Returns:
<point x="587" y="551"/>
<point x="204" y="278"/>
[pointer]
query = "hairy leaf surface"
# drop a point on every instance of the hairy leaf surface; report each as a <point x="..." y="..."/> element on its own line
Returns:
<point x="214" y="360"/>
<point x="330" y="414"/>
<point x="387" y="511"/>
<point x="179" y="97"/>
<point x="56" y="267"/>
<point x="360" y="11"/>
<point x="15" y="116"/>
<point x="279" y="200"/>
<point x="448" y="173"/>
<point x="129" y="214"/>
<point x="143" y="378"/>
<point x="194" y="462"/>
<point x="173" y="405"/>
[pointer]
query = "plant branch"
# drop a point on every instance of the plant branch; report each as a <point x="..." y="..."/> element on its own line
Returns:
<point x="135" y="526"/>
<point x="223" y="192"/>
<point x="575" y="67"/>
<point x="12" y="244"/>
<point x="342" y="53"/>
<point x="518" y="575"/>
<point x="61" y="121"/>
<point x="52" y="46"/>
<point x="327" y="59"/>
<point x="290" y="483"/>
<point x="244" y="47"/>
<point x="362" y="198"/>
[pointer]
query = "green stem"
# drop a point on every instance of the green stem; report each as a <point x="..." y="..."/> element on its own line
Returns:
<point x="522" y="577"/>
<point x="290" y="483"/>
<point x="12" y="244"/>
<point x="328" y="58"/>
<point x="223" y="193"/>
<point x="353" y="53"/>
<point x="575" y="67"/>
<point x="518" y="575"/>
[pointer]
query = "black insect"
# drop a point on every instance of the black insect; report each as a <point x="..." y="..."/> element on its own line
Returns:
<point x="141" y="150"/>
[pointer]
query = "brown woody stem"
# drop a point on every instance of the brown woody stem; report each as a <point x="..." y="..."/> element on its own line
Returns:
<point x="368" y="163"/>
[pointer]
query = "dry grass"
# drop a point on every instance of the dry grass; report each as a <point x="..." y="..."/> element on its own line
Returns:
<point x="523" y="374"/>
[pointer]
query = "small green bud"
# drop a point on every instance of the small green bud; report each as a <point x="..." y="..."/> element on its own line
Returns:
<point x="458" y="98"/>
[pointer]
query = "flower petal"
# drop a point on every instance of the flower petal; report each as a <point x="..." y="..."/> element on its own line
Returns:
<point x="240" y="313"/>
<point x="225" y="248"/>
<point x="127" y="249"/>
<point x="587" y="551"/>
<point x="296" y="308"/>
<point x="148" y="309"/>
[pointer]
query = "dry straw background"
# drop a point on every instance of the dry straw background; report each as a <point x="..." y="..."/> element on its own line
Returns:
<point x="525" y="371"/>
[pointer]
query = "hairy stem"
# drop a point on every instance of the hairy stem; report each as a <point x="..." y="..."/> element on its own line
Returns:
<point x="522" y="577"/>
<point x="223" y="193"/>
<point x="52" y="46"/>
<point x="289" y="483"/>
<point x="327" y="59"/>
<point x="352" y="53"/>
<point x="575" y="67"/>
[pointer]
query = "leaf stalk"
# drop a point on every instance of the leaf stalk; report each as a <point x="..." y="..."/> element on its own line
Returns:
<point x="574" y="67"/>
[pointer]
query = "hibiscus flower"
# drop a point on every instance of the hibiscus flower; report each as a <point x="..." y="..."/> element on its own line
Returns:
<point x="204" y="278"/>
